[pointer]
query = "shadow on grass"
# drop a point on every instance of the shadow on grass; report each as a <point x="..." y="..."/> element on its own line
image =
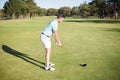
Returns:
<point x="93" y="21"/>
<point x="23" y="56"/>
<point x="111" y="29"/>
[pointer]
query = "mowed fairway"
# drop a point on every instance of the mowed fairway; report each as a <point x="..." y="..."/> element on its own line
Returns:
<point x="95" y="42"/>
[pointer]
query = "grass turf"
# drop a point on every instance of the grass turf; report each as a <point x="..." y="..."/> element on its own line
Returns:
<point x="95" y="42"/>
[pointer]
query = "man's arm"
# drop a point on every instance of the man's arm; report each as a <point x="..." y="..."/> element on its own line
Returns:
<point x="56" y="37"/>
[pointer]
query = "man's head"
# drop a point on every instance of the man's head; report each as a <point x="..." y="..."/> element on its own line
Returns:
<point x="60" y="17"/>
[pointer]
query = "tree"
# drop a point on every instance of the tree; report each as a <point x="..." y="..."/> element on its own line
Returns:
<point x="52" y="12"/>
<point x="114" y="7"/>
<point x="41" y="11"/>
<point x="15" y="8"/>
<point x="75" y="11"/>
<point x="24" y="9"/>
<point x="84" y="10"/>
<point x="107" y="8"/>
<point x="32" y="7"/>
<point x="12" y="7"/>
<point x="100" y="4"/>
<point x="1" y="13"/>
<point x="65" y="10"/>
<point x="93" y="9"/>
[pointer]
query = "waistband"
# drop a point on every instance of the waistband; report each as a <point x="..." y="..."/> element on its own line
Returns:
<point x="45" y="35"/>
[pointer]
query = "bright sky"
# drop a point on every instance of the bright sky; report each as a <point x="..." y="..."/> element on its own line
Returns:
<point x="52" y="3"/>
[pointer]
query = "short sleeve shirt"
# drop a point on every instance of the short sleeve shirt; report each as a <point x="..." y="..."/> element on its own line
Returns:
<point x="52" y="25"/>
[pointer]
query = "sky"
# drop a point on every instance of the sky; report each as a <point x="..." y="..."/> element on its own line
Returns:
<point x="53" y="3"/>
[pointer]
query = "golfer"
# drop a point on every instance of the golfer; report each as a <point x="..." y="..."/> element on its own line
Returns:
<point x="51" y="30"/>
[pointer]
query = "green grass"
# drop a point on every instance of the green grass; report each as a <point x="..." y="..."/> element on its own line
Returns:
<point x="95" y="42"/>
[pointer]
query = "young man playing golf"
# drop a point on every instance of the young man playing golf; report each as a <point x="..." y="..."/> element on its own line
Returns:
<point x="51" y="30"/>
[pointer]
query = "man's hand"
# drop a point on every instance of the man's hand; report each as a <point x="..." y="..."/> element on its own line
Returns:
<point x="59" y="44"/>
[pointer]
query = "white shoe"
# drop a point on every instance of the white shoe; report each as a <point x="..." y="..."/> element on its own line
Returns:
<point x="49" y="68"/>
<point x="51" y="64"/>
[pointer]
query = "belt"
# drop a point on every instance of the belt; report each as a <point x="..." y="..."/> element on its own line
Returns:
<point x="45" y="35"/>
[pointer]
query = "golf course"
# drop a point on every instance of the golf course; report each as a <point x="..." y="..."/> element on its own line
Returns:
<point x="95" y="42"/>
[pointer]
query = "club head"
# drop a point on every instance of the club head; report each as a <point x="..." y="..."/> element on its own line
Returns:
<point x="83" y="65"/>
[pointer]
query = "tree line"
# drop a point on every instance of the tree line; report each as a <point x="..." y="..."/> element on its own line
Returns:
<point x="15" y="9"/>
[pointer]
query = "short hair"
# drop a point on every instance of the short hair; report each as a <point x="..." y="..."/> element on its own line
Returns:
<point x="60" y="15"/>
